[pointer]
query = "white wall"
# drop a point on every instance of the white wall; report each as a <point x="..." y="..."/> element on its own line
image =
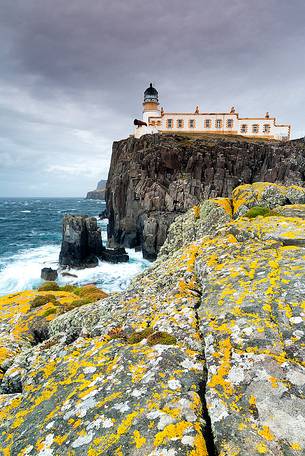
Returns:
<point x="275" y="131"/>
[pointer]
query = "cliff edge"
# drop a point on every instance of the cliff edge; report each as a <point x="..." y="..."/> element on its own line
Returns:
<point x="202" y="355"/>
<point x="157" y="177"/>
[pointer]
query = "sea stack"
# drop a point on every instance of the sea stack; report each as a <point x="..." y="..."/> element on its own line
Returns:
<point x="81" y="242"/>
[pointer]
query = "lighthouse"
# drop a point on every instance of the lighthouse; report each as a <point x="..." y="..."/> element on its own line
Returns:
<point x="151" y="107"/>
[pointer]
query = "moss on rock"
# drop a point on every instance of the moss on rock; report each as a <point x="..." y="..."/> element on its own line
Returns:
<point x="138" y="336"/>
<point x="49" y="286"/>
<point x="161" y="337"/>
<point x="41" y="300"/>
<point x="257" y="211"/>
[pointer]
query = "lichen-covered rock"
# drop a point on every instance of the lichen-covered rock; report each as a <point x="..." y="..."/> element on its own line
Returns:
<point x="265" y="194"/>
<point x="202" y="355"/>
<point x="292" y="210"/>
<point x="25" y="318"/>
<point x="200" y="221"/>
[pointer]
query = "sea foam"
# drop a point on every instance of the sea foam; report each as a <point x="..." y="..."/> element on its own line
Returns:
<point x="22" y="271"/>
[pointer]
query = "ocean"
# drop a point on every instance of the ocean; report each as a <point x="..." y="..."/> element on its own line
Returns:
<point x="30" y="238"/>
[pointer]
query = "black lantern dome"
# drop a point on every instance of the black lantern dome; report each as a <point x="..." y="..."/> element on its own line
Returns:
<point x="151" y="94"/>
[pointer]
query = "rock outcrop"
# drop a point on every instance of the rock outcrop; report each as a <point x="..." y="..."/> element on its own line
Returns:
<point x="154" y="179"/>
<point x="202" y="355"/>
<point x="81" y="242"/>
<point x="49" y="274"/>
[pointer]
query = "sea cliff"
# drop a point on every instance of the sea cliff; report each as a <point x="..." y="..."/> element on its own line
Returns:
<point x="154" y="179"/>
<point x="99" y="192"/>
<point x="203" y="354"/>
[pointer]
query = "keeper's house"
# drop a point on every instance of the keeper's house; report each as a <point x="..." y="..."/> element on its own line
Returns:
<point x="156" y="120"/>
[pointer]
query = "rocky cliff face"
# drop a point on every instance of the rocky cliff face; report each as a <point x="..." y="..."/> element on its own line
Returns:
<point x="99" y="192"/>
<point x="203" y="354"/>
<point x="155" y="178"/>
<point x="96" y="194"/>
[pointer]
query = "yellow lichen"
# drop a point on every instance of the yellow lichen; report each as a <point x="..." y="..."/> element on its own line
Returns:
<point x="171" y="431"/>
<point x="261" y="448"/>
<point x="218" y="379"/>
<point x="138" y="439"/>
<point x="296" y="446"/>
<point x="266" y="433"/>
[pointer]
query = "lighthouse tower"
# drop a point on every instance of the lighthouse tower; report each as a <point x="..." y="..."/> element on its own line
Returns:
<point x="151" y="107"/>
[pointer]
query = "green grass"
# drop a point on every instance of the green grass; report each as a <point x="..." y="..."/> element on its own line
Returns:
<point x="161" y="337"/>
<point x="49" y="286"/>
<point x="39" y="300"/>
<point x="256" y="211"/>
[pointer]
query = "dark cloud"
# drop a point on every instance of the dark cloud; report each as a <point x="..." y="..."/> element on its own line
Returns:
<point x="72" y="76"/>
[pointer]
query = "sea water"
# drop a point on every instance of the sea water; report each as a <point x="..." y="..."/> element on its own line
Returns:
<point x="30" y="237"/>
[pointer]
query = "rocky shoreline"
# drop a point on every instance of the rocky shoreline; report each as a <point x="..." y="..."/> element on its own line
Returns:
<point x="203" y="354"/>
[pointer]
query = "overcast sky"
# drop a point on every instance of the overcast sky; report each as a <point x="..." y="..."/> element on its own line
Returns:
<point x="72" y="76"/>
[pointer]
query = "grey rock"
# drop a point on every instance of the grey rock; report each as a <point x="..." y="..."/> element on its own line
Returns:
<point x="49" y="274"/>
<point x="81" y="242"/>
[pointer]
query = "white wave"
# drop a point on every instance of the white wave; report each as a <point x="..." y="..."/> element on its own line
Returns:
<point x="109" y="277"/>
<point x="22" y="271"/>
<point x="27" y="212"/>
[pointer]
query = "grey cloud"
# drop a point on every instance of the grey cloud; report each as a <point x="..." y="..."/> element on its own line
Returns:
<point x="82" y="66"/>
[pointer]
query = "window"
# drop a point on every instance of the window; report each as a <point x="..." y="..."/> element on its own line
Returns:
<point x="169" y="123"/>
<point x="229" y="123"/>
<point x="207" y="123"/>
<point x="244" y="128"/>
<point x="218" y="123"/>
<point x="255" y="128"/>
<point x="192" y="123"/>
<point x="266" y="128"/>
<point x="180" y="123"/>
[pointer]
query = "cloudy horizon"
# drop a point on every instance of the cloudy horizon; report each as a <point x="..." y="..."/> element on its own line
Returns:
<point x="72" y="77"/>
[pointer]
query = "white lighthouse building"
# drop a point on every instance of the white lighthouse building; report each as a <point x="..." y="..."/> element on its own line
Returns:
<point x="156" y="120"/>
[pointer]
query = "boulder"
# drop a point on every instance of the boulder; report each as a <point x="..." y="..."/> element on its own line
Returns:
<point x="81" y="242"/>
<point x="115" y="255"/>
<point x="68" y="274"/>
<point x="49" y="274"/>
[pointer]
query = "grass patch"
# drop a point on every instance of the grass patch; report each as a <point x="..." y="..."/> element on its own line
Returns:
<point x="136" y="337"/>
<point x="49" y="286"/>
<point x="153" y="337"/>
<point x="50" y="311"/>
<point x="161" y="337"/>
<point x="91" y="292"/>
<point x="256" y="211"/>
<point x="77" y="303"/>
<point x="70" y="288"/>
<point x="39" y="300"/>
